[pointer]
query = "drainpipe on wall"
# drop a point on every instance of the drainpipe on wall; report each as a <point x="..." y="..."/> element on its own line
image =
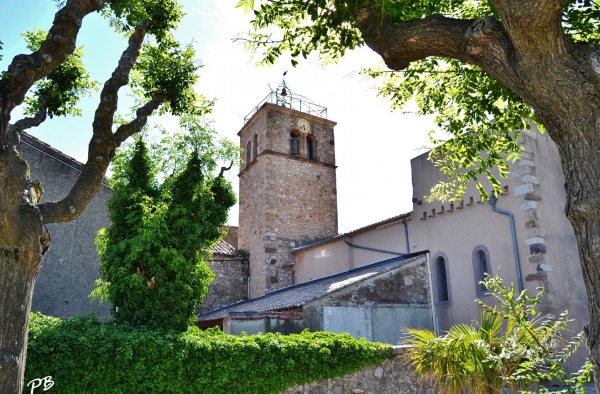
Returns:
<point x="492" y="202"/>
<point x="434" y="318"/>
<point x="371" y="249"/>
<point x="406" y="235"/>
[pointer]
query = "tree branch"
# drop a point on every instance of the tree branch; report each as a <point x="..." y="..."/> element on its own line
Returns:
<point x="36" y="120"/>
<point x="534" y="21"/>
<point x="127" y="130"/>
<point x="482" y="42"/>
<point x="25" y="70"/>
<point x="401" y="44"/>
<point x="103" y="143"/>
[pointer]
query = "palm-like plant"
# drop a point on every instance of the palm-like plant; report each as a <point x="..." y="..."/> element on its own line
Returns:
<point x="510" y="348"/>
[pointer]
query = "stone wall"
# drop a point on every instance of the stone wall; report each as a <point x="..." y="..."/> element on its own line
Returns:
<point x="376" y="308"/>
<point x="251" y="218"/>
<point x="408" y="285"/>
<point x="70" y="268"/>
<point x="230" y="284"/>
<point x="285" y="201"/>
<point x="391" y="377"/>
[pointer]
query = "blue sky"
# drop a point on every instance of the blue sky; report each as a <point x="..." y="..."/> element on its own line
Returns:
<point x="373" y="145"/>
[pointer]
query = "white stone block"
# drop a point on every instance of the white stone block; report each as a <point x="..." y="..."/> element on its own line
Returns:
<point x="534" y="240"/>
<point x="530" y="179"/>
<point x="523" y="189"/>
<point x="528" y="163"/>
<point x="521" y="171"/>
<point x="529" y="205"/>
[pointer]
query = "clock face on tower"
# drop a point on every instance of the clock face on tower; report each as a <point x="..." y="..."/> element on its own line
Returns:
<point x="303" y="126"/>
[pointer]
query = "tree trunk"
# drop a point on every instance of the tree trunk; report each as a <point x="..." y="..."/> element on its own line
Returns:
<point x="580" y="155"/>
<point x="23" y="243"/>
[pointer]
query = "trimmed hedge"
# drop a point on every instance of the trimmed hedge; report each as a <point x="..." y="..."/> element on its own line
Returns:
<point x="83" y="355"/>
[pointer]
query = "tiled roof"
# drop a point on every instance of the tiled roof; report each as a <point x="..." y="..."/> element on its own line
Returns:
<point x="298" y="295"/>
<point x="223" y="248"/>
<point x="354" y="232"/>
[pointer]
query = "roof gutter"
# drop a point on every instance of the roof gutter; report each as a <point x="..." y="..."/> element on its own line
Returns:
<point x="371" y="249"/>
<point x="493" y="199"/>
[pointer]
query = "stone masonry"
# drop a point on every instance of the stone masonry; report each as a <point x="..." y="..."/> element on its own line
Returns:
<point x="391" y="377"/>
<point x="530" y="190"/>
<point x="285" y="200"/>
<point x="230" y="284"/>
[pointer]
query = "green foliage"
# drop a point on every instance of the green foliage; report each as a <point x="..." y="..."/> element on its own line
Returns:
<point x="166" y="68"/>
<point x="581" y="19"/>
<point x="83" y="355"/>
<point x="324" y="26"/>
<point x="153" y="255"/>
<point x="482" y="118"/>
<point x="511" y="346"/>
<point x="479" y="118"/>
<point x="62" y="88"/>
<point x="329" y="26"/>
<point x="125" y="15"/>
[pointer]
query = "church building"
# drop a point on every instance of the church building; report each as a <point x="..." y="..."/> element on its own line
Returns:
<point x="287" y="268"/>
<point x="288" y="224"/>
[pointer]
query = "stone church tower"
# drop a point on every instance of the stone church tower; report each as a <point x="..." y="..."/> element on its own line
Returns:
<point x="287" y="191"/>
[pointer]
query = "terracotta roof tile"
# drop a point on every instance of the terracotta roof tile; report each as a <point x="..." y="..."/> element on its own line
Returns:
<point x="222" y="248"/>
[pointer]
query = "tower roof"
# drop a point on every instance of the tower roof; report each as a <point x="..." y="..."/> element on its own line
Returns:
<point x="285" y="97"/>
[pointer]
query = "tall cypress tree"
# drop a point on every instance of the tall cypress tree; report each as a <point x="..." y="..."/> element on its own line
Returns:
<point x="153" y="255"/>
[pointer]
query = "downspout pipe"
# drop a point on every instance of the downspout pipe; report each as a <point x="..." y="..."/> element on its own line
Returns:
<point x="371" y="249"/>
<point x="493" y="199"/>
<point x="406" y="235"/>
<point x="434" y="317"/>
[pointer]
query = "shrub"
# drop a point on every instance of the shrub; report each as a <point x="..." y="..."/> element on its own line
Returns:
<point x="511" y="348"/>
<point x="83" y="355"/>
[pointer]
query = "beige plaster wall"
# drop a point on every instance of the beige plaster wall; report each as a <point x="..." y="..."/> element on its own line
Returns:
<point x="545" y="239"/>
<point x="337" y="256"/>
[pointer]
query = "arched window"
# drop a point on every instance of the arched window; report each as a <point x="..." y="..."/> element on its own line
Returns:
<point x="294" y="144"/>
<point x="311" y="147"/>
<point x="255" y="147"/>
<point x="442" y="283"/>
<point x="481" y="268"/>
<point x="248" y="152"/>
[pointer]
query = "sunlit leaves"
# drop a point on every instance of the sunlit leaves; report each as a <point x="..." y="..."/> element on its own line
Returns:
<point x="402" y="11"/>
<point x="246" y="4"/>
<point x="510" y="347"/>
<point x="169" y="69"/>
<point x="324" y="26"/>
<point x="62" y="88"/>
<point x="581" y="20"/>
<point x="125" y="15"/>
<point x="479" y="118"/>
